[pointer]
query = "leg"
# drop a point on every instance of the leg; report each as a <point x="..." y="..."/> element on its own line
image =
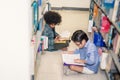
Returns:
<point x="81" y="69"/>
<point x="67" y="71"/>
<point x="76" y="68"/>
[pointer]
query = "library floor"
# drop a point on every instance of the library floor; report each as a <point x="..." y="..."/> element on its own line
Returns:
<point x="49" y="64"/>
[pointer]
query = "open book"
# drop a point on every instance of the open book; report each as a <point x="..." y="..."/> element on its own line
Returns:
<point x="68" y="59"/>
<point x="65" y="35"/>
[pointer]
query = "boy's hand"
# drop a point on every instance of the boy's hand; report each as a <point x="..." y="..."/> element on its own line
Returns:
<point x="57" y="37"/>
<point x="79" y="61"/>
<point x="95" y="29"/>
<point x="68" y="52"/>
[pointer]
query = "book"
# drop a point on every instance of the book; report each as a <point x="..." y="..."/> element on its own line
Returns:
<point x="68" y="59"/>
<point x="95" y="11"/>
<point x="60" y="41"/>
<point x="90" y="25"/>
<point x="105" y="25"/>
<point x="117" y="45"/>
<point x="116" y="14"/>
<point x="45" y="41"/>
<point x="65" y="35"/>
<point x="109" y="3"/>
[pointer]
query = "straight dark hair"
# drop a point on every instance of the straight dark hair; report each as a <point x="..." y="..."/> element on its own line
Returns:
<point x="78" y="36"/>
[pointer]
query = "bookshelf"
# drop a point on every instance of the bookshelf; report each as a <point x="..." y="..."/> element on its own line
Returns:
<point x="39" y="7"/>
<point x="102" y="9"/>
<point x="108" y="16"/>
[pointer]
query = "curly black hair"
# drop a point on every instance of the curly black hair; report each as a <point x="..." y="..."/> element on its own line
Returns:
<point x="52" y="17"/>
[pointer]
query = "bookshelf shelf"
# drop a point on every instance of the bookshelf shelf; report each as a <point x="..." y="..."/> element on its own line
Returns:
<point x="116" y="60"/>
<point x="108" y="75"/>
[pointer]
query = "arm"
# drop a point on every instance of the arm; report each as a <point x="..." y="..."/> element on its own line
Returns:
<point x="90" y="58"/>
<point x="56" y="34"/>
<point x="47" y="33"/>
<point x="80" y="61"/>
<point x="74" y="52"/>
<point x="68" y="52"/>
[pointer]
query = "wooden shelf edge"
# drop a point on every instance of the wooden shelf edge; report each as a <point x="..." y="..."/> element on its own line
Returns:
<point x="108" y="75"/>
<point x="115" y="59"/>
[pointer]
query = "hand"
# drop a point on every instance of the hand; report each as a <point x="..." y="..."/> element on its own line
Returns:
<point x="68" y="52"/>
<point x="57" y="37"/>
<point x="95" y="29"/>
<point x="79" y="61"/>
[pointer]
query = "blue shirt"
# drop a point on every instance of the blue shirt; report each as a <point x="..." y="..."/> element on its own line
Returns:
<point x="90" y="54"/>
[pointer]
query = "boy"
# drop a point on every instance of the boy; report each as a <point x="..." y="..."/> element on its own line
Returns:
<point x="88" y="54"/>
<point x="52" y="18"/>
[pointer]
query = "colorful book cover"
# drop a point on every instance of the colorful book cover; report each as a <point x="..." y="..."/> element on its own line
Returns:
<point x="35" y="15"/>
<point x="109" y="3"/>
<point x="105" y="25"/>
<point x="39" y="2"/>
<point x="40" y="24"/>
<point x="95" y="12"/>
<point x="91" y="10"/>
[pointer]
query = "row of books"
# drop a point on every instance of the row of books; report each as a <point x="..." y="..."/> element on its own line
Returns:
<point x="100" y="19"/>
<point x="111" y="9"/>
<point x="105" y="15"/>
<point x="39" y="8"/>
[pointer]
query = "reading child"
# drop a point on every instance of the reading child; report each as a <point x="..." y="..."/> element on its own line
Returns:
<point x="52" y="18"/>
<point x="88" y="54"/>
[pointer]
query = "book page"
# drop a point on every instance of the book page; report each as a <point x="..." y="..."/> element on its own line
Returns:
<point x="65" y="34"/>
<point x="69" y="59"/>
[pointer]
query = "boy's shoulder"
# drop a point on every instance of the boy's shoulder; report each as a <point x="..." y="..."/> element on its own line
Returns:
<point x="47" y="27"/>
<point x="90" y="44"/>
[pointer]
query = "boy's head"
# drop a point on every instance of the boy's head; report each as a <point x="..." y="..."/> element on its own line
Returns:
<point x="80" y="38"/>
<point x="52" y="18"/>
